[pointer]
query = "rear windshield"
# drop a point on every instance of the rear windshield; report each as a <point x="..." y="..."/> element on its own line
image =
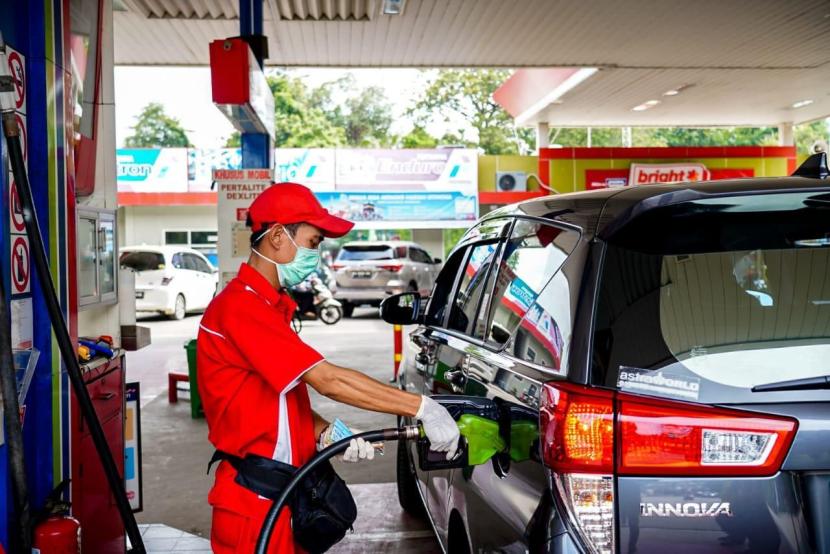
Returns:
<point x="370" y="252"/>
<point x="142" y="261"/>
<point x="702" y="303"/>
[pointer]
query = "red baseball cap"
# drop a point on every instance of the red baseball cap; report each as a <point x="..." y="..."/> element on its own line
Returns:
<point x="288" y="203"/>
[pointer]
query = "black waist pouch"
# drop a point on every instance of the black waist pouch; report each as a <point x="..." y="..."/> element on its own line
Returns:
<point x="322" y="507"/>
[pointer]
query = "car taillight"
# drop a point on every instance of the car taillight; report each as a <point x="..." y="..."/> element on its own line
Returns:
<point x="589" y="435"/>
<point x="660" y="437"/>
<point x="166" y="281"/>
<point x="577" y="430"/>
<point x="394" y="268"/>
<point x="337" y="267"/>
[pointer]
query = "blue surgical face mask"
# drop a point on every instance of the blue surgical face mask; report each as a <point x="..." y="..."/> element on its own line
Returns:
<point x="294" y="272"/>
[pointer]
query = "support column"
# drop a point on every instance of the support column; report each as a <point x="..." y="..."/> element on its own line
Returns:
<point x="256" y="147"/>
<point x="542" y="135"/>
<point x="431" y="239"/>
<point x="626" y="137"/>
<point x="785" y="134"/>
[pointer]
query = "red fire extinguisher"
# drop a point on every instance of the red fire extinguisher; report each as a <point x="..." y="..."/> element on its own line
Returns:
<point x="57" y="534"/>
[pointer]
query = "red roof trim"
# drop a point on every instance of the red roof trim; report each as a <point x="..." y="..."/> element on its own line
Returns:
<point x="668" y="152"/>
<point x="167" y="198"/>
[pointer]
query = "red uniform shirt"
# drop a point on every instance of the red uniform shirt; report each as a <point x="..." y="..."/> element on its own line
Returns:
<point x="249" y="366"/>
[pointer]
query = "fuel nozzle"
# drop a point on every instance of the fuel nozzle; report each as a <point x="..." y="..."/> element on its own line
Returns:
<point x="478" y="424"/>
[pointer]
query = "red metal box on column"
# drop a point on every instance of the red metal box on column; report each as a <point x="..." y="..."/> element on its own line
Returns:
<point x="239" y="87"/>
<point x="102" y="530"/>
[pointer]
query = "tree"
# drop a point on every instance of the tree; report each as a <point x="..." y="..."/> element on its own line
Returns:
<point x="300" y="123"/>
<point x="717" y="136"/>
<point x="808" y="134"/>
<point x="672" y="136"/>
<point x="468" y="94"/>
<point x="155" y="129"/>
<point x="418" y="137"/>
<point x="234" y="140"/>
<point x="364" y="115"/>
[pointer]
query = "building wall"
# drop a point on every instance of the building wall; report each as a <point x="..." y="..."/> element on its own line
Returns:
<point x="147" y="224"/>
<point x="566" y="169"/>
<point x="489" y="166"/>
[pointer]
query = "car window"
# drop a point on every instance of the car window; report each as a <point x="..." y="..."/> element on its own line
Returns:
<point x="367" y="252"/>
<point x="199" y="264"/>
<point x="439" y="300"/>
<point x="532" y="255"/>
<point x="729" y="294"/>
<point x="543" y="336"/>
<point x="418" y="255"/>
<point x="142" y="261"/>
<point x="179" y="261"/>
<point x="471" y="291"/>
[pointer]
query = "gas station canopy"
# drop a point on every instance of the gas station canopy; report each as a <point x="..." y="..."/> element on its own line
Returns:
<point x="733" y="63"/>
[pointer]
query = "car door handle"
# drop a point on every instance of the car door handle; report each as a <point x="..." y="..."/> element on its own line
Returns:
<point x="456" y="380"/>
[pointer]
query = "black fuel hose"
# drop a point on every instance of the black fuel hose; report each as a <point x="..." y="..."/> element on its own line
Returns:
<point x="14" y="430"/>
<point x="267" y="529"/>
<point x="65" y="345"/>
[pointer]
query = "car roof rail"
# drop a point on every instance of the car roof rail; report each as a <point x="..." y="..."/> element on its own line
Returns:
<point x="814" y="167"/>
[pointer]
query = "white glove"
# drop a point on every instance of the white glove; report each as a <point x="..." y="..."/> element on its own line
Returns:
<point x="439" y="426"/>
<point x="358" y="450"/>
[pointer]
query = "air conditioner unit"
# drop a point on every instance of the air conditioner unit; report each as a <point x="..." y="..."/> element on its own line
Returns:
<point x="511" y="181"/>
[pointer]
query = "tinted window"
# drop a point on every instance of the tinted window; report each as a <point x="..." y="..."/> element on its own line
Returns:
<point x="203" y="237"/>
<point x="731" y="302"/>
<point x="532" y="255"/>
<point x="198" y="263"/>
<point x="471" y="289"/>
<point x="175" y="237"/>
<point x="367" y="252"/>
<point x="179" y="261"/>
<point x="439" y="300"/>
<point x="418" y="255"/>
<point x="142" y="261"/>
<point x="543" y="335"/>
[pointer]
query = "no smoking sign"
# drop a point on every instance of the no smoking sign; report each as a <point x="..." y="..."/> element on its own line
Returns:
<point x="18" y="225"/>
<point x="20" y="269"/>
<point x="17" y="67"/>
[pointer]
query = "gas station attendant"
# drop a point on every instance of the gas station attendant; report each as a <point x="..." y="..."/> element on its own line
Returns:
<point x="253" y="369"/>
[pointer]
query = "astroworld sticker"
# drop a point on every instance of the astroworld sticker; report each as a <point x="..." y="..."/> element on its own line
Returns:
<point x="658" y="383"/>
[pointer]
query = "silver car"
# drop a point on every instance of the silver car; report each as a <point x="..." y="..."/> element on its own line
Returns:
<point x="367" y="272"/>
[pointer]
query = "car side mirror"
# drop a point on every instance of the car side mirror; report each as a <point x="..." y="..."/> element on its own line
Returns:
<point x="436" y="261"/>
<point x="402" y="309"/>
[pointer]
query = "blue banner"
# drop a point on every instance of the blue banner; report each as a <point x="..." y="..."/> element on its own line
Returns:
<point x="400" y="206"/>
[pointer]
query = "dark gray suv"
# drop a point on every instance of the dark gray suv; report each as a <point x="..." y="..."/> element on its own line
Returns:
<point x="669" y="349"/>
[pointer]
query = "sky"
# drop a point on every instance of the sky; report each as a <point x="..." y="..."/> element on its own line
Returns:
<point x="185" y="94"/>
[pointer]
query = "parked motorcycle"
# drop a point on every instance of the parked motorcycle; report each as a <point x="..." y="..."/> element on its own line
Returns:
<point x="323" y="305"/>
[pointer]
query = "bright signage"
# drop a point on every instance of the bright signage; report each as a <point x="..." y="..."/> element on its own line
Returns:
<point x="656" y="174"/>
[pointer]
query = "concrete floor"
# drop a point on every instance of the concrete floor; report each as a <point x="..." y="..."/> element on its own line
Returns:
<point x="176" y="450"/>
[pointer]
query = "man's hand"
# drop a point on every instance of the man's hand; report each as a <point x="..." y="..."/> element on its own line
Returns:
<point x="358" y="450"/>
<point x="439" y="426"/>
